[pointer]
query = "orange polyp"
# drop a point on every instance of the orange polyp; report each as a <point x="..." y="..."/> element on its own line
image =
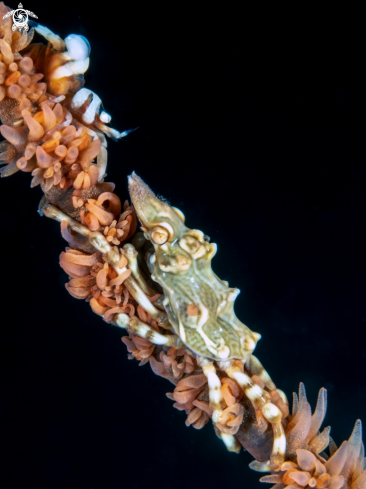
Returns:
<point x="8" y="56"/>
<point x="75" y="143"/>
<point x="91" y="152"/>
<point x="14" y="91"/>
<point x="112" y="232"/>
<point x="49" y="118"/>
<point x="121" y="278"/>
<point x="288" y="466"/>
<point x="80" y="258"/>
<point x="93" y="173"/>
<point x="77" y="202"/>
<point x="97" y="308"/>
<point x="323" y="481"/>
<point x="44" y="160"/>
<point x="30" y="150"/>
<point x="63" y="182"/>
<point x="68" y="134"/>
<point x="57" y="166"/>
<point x="72" y="154"/>
<point x="82" y="281"/>
<point x="78" y="182"/>
<point x="114" y="203"/>
<point x="26" y="166"/>
<point x="49" y="172"/>
<point x="26" y="64"/>
<point x="41" y="87"/>
<point x="287" y="476"/>
<point x="59" y="113"/>
<point x="36" y="131"/>
<point x="36" y="77"/>
<point x="61" y="151"/>
<point x="24" y="81"/>
<point x="30" y="91"/>
<point x="13" y="78"/>
<point x="86" y="182"/>
<point x="227" y="395"/>
<point x="92" y="222"/>
<point x="57" y="177"/>
<point x="104" y="217"/>
<point x="25" y="104"/>
<point x="261" y="421"/>
<point x="85" y="142"/>
<point x="15" y="136"/>
<point x="56" y="135"/>
<point x="50" y="145"/>
<point x="102" y="278"/>
<point x="78" y="293"/>
<point x="47" y="184"/>
<point x="302" y="478"/>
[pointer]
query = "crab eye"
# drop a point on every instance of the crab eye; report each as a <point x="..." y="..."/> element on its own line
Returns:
<point x="159" y="235"/>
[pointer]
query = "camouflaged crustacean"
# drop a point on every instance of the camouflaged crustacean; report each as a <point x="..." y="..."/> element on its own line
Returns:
<point x="199" y="305"/>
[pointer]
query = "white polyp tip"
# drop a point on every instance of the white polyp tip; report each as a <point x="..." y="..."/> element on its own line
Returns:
<point x="105" y="117"/>
<point x="78" y="47"/>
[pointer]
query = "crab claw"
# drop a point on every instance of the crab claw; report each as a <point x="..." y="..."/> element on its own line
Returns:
<point x="153" y="213"/>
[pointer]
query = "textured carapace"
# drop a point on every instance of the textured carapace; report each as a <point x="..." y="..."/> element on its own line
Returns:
<point x="199" y="305"/>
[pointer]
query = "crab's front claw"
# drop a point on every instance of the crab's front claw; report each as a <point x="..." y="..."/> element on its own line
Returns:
<point x="159" y="220"/>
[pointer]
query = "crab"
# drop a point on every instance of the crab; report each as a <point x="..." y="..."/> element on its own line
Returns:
<point x="197" y="306"/>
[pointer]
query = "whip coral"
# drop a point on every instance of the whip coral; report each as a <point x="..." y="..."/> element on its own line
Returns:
<point x="308" y="465"/>
<point x="55" y="130"/>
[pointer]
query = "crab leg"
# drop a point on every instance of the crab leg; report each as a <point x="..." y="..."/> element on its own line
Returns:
<point x="256" y="368"/>
<point x="216" y="400"/>
<point x="112" y="257"/>
<point x="261" y="400"/>
<point x="134" y="325"/>
<point x="131" y="253"/>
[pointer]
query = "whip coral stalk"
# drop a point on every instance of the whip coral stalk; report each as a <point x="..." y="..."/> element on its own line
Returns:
<point x="55" y="129"/>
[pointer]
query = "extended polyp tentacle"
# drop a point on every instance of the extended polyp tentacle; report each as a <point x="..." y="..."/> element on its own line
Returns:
<point x="112" y="257"/>
<point x="134" y="325"/>
<point x="261" y="400"/>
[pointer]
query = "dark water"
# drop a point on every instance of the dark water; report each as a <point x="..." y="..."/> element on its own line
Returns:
<point x="258" y="134"/>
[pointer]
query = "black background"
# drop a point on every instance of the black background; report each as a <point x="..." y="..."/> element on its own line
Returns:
<point x="256" y="131"/>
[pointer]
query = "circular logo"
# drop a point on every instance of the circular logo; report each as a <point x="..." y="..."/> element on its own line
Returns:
<point x="20" y="19"/>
